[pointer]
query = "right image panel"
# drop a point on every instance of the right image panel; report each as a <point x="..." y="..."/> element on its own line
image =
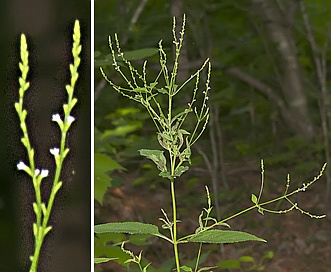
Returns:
<point x="211" y="137"/>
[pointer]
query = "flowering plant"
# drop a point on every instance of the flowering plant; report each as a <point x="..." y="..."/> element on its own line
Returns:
<point x="42" y="206"/>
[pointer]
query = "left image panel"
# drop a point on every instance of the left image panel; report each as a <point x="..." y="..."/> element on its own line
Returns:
<point x="45" y="138"/>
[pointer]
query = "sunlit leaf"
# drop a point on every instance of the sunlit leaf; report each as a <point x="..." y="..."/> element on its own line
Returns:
<point x="127" y="227"/>
<point x="254" y="199"/>
<point x="223" y="237"/>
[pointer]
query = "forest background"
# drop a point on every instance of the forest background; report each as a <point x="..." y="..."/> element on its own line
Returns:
<point x="270" y="100"/>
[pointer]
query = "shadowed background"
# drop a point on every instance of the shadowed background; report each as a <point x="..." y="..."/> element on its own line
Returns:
<point x="48" y="26"/>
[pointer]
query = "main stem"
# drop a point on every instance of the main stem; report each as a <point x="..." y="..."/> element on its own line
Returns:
<point x="174" y="212"/>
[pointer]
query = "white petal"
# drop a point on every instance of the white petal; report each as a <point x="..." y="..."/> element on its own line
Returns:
<point x="21" y="166"/>
<point x="44" y="173"/>
<point x="54" y="151"/>
<point x="71" y="119"/>
<point x="56" y="117"/>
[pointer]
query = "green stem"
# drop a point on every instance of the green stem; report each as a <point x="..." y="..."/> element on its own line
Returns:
<point x="184" y="239"/>
<point x="39" y="239"/>
<point x="174" y="211"/>
<point x="198" y="258"/>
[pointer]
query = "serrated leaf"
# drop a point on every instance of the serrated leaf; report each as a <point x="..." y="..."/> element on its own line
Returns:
<point x="254" y="199"/>
<point x="180" y="170"/>
<point x="157" y="157"/>
<point x="223" y="237"/>
<point x="165" y="174"/>
<point x="127" y="227"/>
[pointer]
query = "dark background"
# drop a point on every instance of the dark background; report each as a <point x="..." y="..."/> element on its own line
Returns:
<point x="48" y="26"/>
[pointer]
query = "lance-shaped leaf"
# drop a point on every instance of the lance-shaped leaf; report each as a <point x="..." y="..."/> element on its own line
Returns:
<point x="103" y="260"/>
<point x="127" y="227"/>
<point x="223" y="237"/>
<point x="157" y="157"/>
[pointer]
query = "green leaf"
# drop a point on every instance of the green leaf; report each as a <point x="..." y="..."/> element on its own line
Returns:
<point x="260" y="210"/>
<point x="207" y="268"/>
<point x="109" y="238"/>
<point x="186" y="268"/>
<point x="140" y="239"/>
<point x="101" y="183"/>
<point x="139" y="90"/>
<point x="97" y="54"/>
<point x="122" y="130"/>
<point x="247" y="259"/>
<point x="140" y="53"/>
<point x="103" y="163"/>
<point x="127" y="227"/>
<point x="268" y="255"/>
<point x="162" y="91"/>
<point x="223" y="237"/>
<point x="165" y="174"/>
<point x="157" y="157"/>
<point x="254" y="199"/>
<point x="110" y="251"/>
<point x="180" y="170"/>
<point x="103" y="260"/>
<point x="229" y="264"/>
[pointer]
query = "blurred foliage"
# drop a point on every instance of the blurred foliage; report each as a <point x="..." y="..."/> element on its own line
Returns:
<point x="229" y="33"/>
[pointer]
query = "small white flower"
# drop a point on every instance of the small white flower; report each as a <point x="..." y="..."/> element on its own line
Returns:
<point x="22" y="166"/>
<point x="54" y="151"/>
<point x="36" y="172"/>
<point x="56" y="118"/>
<point x="71" y="119"/>
<point x="44" y="173"/>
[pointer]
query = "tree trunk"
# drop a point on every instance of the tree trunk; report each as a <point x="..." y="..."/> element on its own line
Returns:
<point x="278" y="28"/>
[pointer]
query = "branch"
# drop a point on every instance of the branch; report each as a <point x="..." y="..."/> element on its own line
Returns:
<point x="260" y="86"/>
<point x="270" y="93"/>
<point x="137" y="14"/>
<point x="313" y="46"/>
